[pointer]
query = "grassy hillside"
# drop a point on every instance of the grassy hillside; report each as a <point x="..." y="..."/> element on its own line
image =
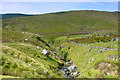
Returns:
<point x="69" y="40"/>
<point x="21" y="58"/>
<point x="93" y="59"/>
<point x="26" y="61"/>
<point x="72" y="21"/>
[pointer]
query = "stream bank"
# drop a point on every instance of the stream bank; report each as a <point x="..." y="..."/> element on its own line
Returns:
<point x="69" y="70"/>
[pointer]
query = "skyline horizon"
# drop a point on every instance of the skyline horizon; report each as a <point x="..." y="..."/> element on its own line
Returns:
<point x="52" y="7"/>
<point x="58" y="12"/>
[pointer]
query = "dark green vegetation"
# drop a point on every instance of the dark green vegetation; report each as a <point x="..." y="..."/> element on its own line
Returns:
<point x="101" y="38"/>
<point x="11" y="15"/>
<point x="95" y="54"/>
<point x="72" y="21"/>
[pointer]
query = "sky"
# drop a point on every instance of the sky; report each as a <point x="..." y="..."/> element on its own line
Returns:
<point x="59" y="0"/>
<point x="50" y="7"/>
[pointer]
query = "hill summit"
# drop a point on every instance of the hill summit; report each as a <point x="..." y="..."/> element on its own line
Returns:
<point x="71" y="21"/>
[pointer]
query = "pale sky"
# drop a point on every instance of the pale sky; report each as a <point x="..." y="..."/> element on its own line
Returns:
<point x="49" y="7"/>
<point x="59" y="0"/>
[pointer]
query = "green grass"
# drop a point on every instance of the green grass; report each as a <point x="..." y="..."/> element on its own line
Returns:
<point x="86" y="60"/>
<point x="72" y="21"/>
<point x="21" y="58"/>
<point x="3" y="76"/>
<point x="113" y="44"/>
<point x="81" y="57"/>
<point x="28" y="62"/>
<point x="0" y="77"/>
<point x="16" y="36"/>
<point x="89" y="38"/>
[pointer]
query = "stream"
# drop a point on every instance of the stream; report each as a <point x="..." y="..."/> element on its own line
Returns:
<point x="63" y="70"/>
<point x="68" y="68"/>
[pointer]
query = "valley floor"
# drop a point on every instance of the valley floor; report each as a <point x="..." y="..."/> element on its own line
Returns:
<point x="92" y="55"/>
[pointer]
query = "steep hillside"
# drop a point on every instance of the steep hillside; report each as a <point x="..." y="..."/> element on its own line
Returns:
<point x="27" y="61"/>
<point x="72" y="21"/>
<point x="22" y="56"/>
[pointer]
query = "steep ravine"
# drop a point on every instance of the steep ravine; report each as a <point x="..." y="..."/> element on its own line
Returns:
<point x="67" y="67"/>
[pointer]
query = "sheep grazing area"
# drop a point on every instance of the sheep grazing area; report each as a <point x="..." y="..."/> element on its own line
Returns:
<point x="73" y="44"/>
<point x="96" y="58"/>
<point x="24" y="58"/>
<point x="28" y="55"/>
